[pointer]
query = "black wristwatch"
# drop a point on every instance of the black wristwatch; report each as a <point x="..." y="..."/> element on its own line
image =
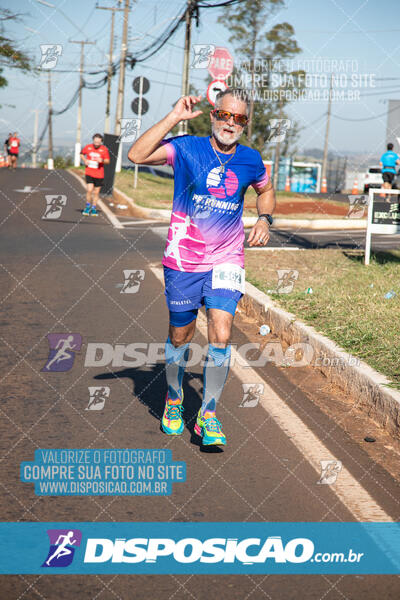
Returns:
<point x="266" y="218"/>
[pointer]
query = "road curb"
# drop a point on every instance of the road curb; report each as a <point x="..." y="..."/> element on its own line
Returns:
<point x="161" y="214"/>
<point x="353" y="376"/>
<point x="290" y="224"/>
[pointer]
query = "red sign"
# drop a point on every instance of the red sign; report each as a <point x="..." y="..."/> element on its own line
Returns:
<point x="221" y="64"/>
<point x="214" y="88"/>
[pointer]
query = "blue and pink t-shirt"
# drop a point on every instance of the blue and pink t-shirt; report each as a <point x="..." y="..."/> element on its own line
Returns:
<point x="206" y="227"/>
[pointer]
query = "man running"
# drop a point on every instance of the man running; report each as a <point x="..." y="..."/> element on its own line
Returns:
<point x="205" y="267"/>
<point x="389" y="160"/>
<point x="95" y="156"/>
<point x="13" y="143"/>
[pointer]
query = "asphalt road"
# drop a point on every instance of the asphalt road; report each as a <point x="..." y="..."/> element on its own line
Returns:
<point x="65" y="275"/>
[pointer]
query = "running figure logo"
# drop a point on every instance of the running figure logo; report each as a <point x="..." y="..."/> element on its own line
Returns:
<point x="357" y="206"/>
<point x="202" y="55"/>
<point x="50" y="54"/>
<point x="252" y="393"/>
<point x="54" y="206"/>
<point x="286" y="280"/>
<point x="278" y="130"/>
<point x="98" y="397"/>
<point x="133" y="279"/>
<point x="62" y="351"/>
<point x="330" y="470"/>
<point x="129" y="129"/>
<point x="62" y="547"/>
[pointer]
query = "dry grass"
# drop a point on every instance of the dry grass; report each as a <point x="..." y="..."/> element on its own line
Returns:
<point x="347" y="304"/>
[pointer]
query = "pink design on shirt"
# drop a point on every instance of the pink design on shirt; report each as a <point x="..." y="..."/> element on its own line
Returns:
<point x="185" y="247"/>
<point x="222" y="186"/>
<point x="171" y="153"/>
<point x="260" y="184"/>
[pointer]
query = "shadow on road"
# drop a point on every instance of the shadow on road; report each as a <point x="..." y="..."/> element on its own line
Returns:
<point x="149" y="387"/>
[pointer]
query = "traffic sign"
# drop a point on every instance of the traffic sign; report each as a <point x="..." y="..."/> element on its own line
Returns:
<point x="136" y="85"/>
<point x="135" y="106"/>
<point x="214" y="88"/>
<point x="221" y="63"/>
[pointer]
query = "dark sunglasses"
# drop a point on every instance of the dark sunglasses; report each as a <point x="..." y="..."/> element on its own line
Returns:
<point x="225" y="115"/>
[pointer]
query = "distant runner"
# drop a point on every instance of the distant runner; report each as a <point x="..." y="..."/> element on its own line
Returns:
<point x="204" y="255"/>
<point x="95" y="156"/>
<point x="388" y="162"/>
<point x="7" y="150"/>
<point x="13" y="143"/>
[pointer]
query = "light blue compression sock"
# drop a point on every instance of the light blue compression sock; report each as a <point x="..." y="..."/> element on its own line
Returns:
<point x="176" y="359"/>
<point x="214" y="375"/>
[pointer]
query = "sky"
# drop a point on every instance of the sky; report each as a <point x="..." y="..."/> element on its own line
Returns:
<point x="358" y="39"/>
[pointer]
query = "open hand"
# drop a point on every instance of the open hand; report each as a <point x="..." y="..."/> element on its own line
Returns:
<point x="183" y="109"/>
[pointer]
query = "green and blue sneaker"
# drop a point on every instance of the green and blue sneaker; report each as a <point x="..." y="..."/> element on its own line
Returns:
<point x="172" y="422"/>
<point x="209" y="428"/>
<point x="93" y="212"/>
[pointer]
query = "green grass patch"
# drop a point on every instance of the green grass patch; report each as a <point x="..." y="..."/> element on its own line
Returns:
<point x="348" y="302"/>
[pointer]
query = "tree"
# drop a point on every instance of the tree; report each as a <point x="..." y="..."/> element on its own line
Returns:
<point x="258" y="49"/>
<point x="10" y="55"/>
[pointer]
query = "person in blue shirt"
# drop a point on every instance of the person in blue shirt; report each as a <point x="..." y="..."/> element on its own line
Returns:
<point x="204" y="254"/>
<point x="388" y="163"/>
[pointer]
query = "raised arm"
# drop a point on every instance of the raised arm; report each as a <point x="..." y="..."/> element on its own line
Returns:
<point x="147" y="149"/>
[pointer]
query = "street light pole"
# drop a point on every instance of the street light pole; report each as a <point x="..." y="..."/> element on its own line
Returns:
<point x="50" y="161"/>
<point x="183" y="126"/>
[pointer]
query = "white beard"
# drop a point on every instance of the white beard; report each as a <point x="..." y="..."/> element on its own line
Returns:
<point x="225" y="138"/>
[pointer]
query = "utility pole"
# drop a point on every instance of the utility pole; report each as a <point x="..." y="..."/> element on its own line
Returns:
<point x="121" y="84"/>
<point x="251" y="108"/>
<point x="110" y="68"/>
<point x="35" y="137"/>
<point x="277" y="151"/>
<point x="183" y="126"/>
<point x="77" y="159"/>
<point x="50" y="162"/>
<point x="328" y="120"/>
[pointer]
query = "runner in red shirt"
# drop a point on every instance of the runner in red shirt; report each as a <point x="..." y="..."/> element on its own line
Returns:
<point x="95" y="156"/>
<point x="13" y="149"/>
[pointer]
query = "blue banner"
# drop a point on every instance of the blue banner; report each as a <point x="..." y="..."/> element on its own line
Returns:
<point x="103" y="472"/>
<point x="208" y="548"/>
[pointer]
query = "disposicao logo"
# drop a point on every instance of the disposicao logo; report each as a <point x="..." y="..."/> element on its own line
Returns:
<point x="62" y="547"/>
<point x="191" y="550"/>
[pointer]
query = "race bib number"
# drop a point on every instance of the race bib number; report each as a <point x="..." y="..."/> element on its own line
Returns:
<point x="229" y="277"/>
<point x="14" y="144"/>
<point x="93" y="164"/>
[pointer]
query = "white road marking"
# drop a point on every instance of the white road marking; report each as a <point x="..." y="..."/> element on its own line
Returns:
<point x="140" y="222"/>
<point x="275" y="248"/>
<point x="349" y="491"/>
<point x="110" y="215"/>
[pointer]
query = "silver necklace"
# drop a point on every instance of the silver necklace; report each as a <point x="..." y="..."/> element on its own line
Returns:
<point x="222" y="167"/>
